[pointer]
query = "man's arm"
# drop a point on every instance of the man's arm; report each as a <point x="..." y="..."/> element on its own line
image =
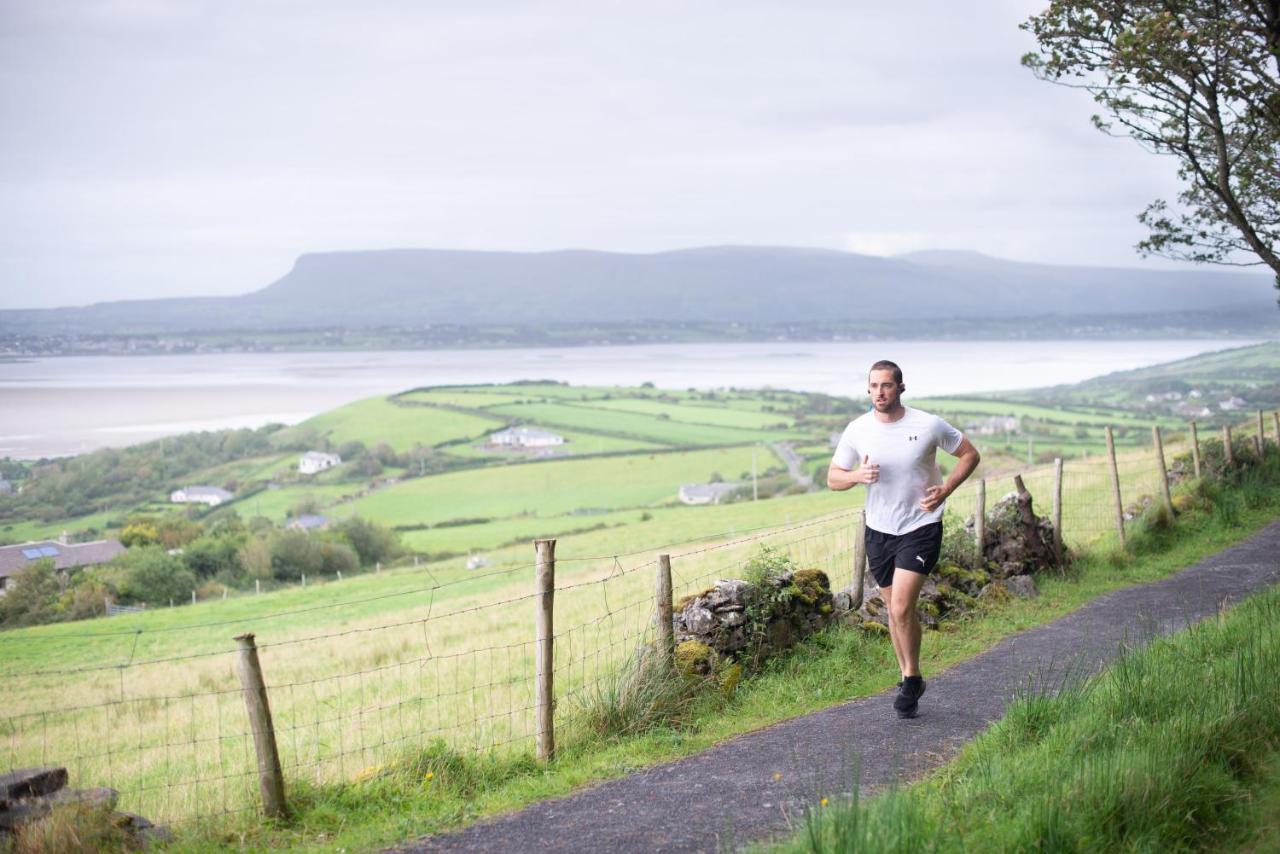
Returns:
<point x="841" y="479"/>
<point x="967" y="457"/>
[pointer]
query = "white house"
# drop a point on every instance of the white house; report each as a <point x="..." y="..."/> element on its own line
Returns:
<point x="995" y="424"/>
<point x="308" y="522"/>
<point x="1233" y="403"/>
<point x="705" y="493"/>
<point x="525" y="437"/>
<point x="211" y="495"/>
<point x="313" y="462"/>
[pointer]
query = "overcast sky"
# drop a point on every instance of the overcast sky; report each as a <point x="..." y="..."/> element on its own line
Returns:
<point x="173" y="147"/>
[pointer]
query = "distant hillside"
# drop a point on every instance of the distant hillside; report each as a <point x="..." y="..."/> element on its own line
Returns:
<point x="414" y="287"/>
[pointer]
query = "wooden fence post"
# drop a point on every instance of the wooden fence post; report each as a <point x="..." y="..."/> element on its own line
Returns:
<point x="257" y="586"/>
<point x="545" y="699"/>
<point x="1195" y="450"/>
<point x="1115" y="485"/>
<point x="666" y="634"/>
<point x="1259" y="441"/>
<point x="193" y="597"/>
<point x="1228" y="452"/>
<point x="980" y="522"/>
<point x="270" y="777"/>
<point x="1162" y="469"/>
<point x="859" y="558"/>
<point x="1057" y="509"/>
<point x="1275" y="424"/>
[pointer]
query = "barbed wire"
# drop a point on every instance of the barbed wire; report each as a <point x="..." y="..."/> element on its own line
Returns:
<point x="188" y="755"/>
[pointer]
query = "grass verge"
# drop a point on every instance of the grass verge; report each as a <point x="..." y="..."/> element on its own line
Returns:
<point x="1161" y="752"/>
<point x="432" y="789"/>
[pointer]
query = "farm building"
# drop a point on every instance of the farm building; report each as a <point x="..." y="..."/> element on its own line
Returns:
<point x="525" y="437"/>
<point x="313" y="462"/>
<point x="705" y="493"/>
<point x="308" y="522"/>
<point x="993" y="425"/>
<point x="65" y="557"/>
<point x="211" y="495"/>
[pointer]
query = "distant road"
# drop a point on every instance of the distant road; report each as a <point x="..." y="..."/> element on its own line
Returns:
<point x="795" y="465"/>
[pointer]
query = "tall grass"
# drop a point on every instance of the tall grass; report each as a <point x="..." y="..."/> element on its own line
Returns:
<point x="1158" y="753"/>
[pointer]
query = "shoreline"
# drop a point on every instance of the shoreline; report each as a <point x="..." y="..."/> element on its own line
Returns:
<point x="63" y="406"/>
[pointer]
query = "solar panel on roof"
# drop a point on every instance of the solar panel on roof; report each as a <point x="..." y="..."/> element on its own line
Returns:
<point x="49" y="551"/>
<point x="32" y="554"/>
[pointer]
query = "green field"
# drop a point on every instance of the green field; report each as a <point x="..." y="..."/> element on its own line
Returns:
<point x="631" y="424"/>
<point x="402" y="427"/>
<point x="551" y="488"/>
<point x="359" y="665"/>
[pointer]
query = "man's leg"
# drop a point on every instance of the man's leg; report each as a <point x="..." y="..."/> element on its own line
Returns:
<point x="886" y="593"/>
<point x="904" y="622"/>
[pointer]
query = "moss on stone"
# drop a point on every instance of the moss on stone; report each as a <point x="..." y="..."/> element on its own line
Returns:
<point x="694" y="658"/>
<point x="810" y="585"/>
<point x="996" y="593"/>
<point x="974" y="579"/>
<point x="875" y="628"/>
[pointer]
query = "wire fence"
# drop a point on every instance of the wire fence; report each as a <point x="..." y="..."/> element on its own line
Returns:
<point x="160" y="715"/>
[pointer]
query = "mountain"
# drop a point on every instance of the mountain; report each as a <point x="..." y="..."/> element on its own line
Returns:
<point x="412" y="287"/>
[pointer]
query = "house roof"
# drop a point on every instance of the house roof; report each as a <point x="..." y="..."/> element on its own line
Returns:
<point x="309" y="522"/>
<point x="16" y="558"/>
<point x="527" y="433"/>
<point x="193" y="491"/>
<point x="706" y="490"/>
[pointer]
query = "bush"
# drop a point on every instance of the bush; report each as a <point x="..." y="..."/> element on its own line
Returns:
<point x="154" y="576"/>
<point x="212" y="556"/>
<point x="293" y="554"/>
<point x="338" y="557"/>
<point x="30" y="598"/>
<point x="372" y="542"/>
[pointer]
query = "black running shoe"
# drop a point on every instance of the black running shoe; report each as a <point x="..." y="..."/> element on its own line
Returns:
<point x="907" y="702"/>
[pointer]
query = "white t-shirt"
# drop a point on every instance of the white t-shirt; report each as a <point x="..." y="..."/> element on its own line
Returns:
<point x="905" y="451"/>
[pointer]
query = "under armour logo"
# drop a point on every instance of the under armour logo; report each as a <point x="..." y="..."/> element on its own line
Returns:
<point x="912" y="438"/>
<point x="922" y="560"/>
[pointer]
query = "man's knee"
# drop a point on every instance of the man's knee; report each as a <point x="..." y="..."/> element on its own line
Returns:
<point x="902" y="609"/>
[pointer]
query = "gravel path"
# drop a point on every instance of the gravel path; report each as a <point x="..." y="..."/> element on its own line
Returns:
<point x="728" y="793"/>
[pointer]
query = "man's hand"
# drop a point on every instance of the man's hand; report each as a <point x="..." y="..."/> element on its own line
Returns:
<point x="968" y="457"/>
<point x="933" y="498"/>
<point x="868" y="472"/>
<point x="841" y="479"/>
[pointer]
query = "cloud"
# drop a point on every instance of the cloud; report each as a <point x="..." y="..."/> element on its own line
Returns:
<point x="181" y="148"/>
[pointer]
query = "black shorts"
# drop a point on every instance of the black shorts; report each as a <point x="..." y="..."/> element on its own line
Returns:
<point x="916" y="550"/>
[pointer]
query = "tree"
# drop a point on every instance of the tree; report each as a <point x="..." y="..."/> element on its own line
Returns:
<point x="155" y="576"/>
<point x="372" y="542"/>
<point x="31" y="598"/>
<point x="1196" y="79"/>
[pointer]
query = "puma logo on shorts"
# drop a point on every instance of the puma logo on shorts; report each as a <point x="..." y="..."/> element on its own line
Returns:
<point x="917" y="551"/>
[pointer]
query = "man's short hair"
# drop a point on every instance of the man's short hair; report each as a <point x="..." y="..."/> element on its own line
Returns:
<point x="886" y="365"/>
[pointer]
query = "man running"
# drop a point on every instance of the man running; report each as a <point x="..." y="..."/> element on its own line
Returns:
<point x="891" y="450"/>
